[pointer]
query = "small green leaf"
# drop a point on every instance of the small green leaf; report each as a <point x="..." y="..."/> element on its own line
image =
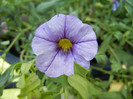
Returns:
<point x="99" y="5"/>
<point x="115" y="66"/>
<point x="21" y="82"/>
<point x="129" y="7"/>
<point x="35" y="94"/>
<point x="118" y="35"/>
<point x="130" y="2"/>
<point x="84" y="87"/>
<point x="60" y="79"/>
<point x="80" y="70"/>
<point x="1" y="91"/>
<point x="5" y="42"/>
<point x="26" y="67"/>
<point x="31" y="83"/>
<point x="52" y="4"/>
<point x="131" y="69"/>
<point x="50" y="95"/>
<point x="5" y="76"/>
<point x="105" y="44"/>
<point x="101" y="59"/>
<point x="110" y="95"/>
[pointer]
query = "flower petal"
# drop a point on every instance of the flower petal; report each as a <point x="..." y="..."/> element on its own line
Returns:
<point x="87" y="34"/>
<point x="40" y="46"/>
<point x="115" y="5"/>
<point x="43" y="61"/>
<point x="72" y="27"/>
<point x="86" y="49"/>
<point x="76" y="31"/>
<point x="56" y="25"/>
<point x="53" y="30"/>
<point x="80" y="60"/>
<point x="62" y="64"/>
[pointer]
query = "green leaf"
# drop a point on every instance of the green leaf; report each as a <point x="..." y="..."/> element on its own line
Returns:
<point x="80" y="70"/>
<point x="1" y="91"/>
<point x="126" y="59"/>
<point x="21" y="82"/>
<point x="26" y="67"/>
<point x="131" y="69"/>
<point x="35" y="94"/>
<point x="129" y="7"/>
<point x="130" y="2"/>
<point x="5" y="76"/>
<point x="101" y="59"/>
<point x="5" y="42"/>
<point x="31" y="83"/>
<point x="118" y="35"/>
<point x="52" y="4"/>
<point x="105" y="44"/>
<point x="50" y="95"/>
<point x="115" y="66"/>
<point x="110" y="95"/>
<point x="84" y="87"/>
<point x="60" y="79"/>
<point x="99" y="5"/>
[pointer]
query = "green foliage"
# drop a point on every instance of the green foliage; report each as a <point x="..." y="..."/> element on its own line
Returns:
<point x="28" y="85"/>
<point x="50" y="95"/>
<point x="116" y="66"/>
<point x="5" y="76"/>
<point x="84" y="87"/>
<point x="80" y="70"/>
<point x="28" y="82"/>
<point x="129" y="7"/>
<point x="110" y="95"/>
<point x="26" y="67"/>
<point x="52" y="4"/>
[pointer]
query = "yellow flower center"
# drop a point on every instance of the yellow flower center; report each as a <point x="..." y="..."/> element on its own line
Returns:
<point x="65" y="45"/>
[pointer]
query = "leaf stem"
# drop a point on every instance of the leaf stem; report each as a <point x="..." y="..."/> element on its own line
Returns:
<point x="66" y="93"/>
<point x="130" y="43"/>
<point x="16" y="38"/>
<point x="114" y="54"/>
<point x="110" y="73"/>
<point x="13" y="42"/>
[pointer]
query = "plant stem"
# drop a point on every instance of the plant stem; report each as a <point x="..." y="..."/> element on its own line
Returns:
<point x="66" y="93"/>
<point x="13" y="42"/>
<point x="130" y="43"/>
<point x="16" y="38"/>
<point x="110" y="73"/>
<point x="114" y="54"/>
<point x="22" y="55"/>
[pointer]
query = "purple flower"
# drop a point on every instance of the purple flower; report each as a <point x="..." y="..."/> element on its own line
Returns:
<point x="61" y="41"/>
<point x="115" y="5"/>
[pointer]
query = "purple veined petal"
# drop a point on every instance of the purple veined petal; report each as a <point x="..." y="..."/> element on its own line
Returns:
<point x="86" y="33"/>
<point x="80" y="60"/>
<point x="43" y="61"/>
<point x="76" y="31"/>
<point x="72" y="27"/>
<point x="62" y="64"/>
<point x="86" y="49"/>
<point x="57" y="25"/>
<point x="40" y="46"/>
<point x="52" y="30"/>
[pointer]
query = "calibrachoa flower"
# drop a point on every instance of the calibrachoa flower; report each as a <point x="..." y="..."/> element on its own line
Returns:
<point x="61" y="41"/>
